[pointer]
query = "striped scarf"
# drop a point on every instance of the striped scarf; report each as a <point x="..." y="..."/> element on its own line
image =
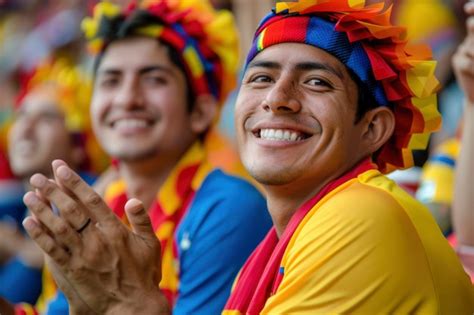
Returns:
<point x="262" y="273"/>
<point x="171" y="203"/>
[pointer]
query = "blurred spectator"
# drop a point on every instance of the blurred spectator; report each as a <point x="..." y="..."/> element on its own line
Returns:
<point x="50" y="122"/>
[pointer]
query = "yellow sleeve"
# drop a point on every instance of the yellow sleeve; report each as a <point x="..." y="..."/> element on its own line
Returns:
<point x="437" y="178"/>
<point x="48" y="291"/>
<point x="358" y="253"/>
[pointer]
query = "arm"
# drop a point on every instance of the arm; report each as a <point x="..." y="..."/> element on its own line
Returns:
<point x="463" y="205"/>
<point x="100" y="265"/>
<point x="436" y="185"/>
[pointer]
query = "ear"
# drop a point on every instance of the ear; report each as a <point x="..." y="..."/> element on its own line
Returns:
<point x="379" y="124"/>
<point x="203" y="114"/>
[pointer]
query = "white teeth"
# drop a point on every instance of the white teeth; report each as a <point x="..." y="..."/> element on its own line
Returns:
<point x="128" y="123"/>
<point x="280" y="135"/>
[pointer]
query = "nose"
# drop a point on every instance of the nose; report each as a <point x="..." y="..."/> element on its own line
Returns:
<point x="129" y="95"/>
<point x="282" y="97"/>
<point x="25" y="125"/>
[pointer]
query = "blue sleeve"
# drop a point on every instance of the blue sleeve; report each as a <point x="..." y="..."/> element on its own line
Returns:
<point x="19" y="282"/>
<point x="223" y="227"/>
<point x="58" y="306"/>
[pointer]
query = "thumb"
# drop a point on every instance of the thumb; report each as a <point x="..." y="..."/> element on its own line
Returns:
<point x="139" y="219"/>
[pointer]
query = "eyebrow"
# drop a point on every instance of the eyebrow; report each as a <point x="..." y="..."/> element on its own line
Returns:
<point x="141" y="71"/>
<point x="264" y="64"/>
<point x="308" y="66"/>
<point x="303" y="66"/>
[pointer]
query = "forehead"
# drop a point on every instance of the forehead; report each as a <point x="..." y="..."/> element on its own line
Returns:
<point x="43" y="98"/>
<point x="293" y="55"/>
<point x="134" y="53"/>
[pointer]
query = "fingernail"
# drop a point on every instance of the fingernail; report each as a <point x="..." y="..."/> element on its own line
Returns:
<point x="30" y="198"/>
<point x="57" y="163"/>
<point x="64" y="172"/>
<point x="29" y="223"/>
<point x="38" y="180"/>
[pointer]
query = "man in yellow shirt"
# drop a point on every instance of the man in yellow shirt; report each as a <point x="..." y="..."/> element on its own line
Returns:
<point x="332" y="98"/>
<point x="350" y="92"/>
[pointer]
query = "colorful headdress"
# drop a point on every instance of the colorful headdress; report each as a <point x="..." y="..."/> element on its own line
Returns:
<point x="74" y="91"/>
<point x="397" y="74"/>
<point x="205" y="38"/>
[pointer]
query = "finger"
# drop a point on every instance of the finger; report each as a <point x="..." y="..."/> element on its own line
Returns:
<point x="464" y="64"/>
<point x="139" y="219"/>
<point x="470" y="25"/>
<point x="86" y="195"/>
<point x="469" y="7"/>
<point x="69" y="209"/>
<point x="57" y="227"/>
<point x="55" y="164"/>
<point x="45" y="241"/>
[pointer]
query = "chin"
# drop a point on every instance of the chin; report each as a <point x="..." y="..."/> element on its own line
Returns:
<point x="270" y="176"/>
<point x="24" y="173"/>
<point x="133" y="156"/>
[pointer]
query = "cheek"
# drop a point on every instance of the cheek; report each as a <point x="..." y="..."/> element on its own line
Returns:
<point x="97" y="110"/>
<point x="244" y="106"/>
<point x="54" y="135"/>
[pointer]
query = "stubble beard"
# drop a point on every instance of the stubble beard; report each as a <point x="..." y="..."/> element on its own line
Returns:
<point x="131" y="156"/>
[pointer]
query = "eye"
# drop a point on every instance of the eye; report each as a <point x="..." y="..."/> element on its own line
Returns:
<point x="318" y="82"/>
<point x="108" y="82"/>
<point x="155" y="80"/>
<point x="49" y="117"/>
<point x="261" y="79"/>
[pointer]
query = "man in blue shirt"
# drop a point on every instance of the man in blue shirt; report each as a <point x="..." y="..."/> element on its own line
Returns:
<point x="163" y="69"/>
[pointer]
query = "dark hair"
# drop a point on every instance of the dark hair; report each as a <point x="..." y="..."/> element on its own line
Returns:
<point x="365" y="100"/>
<point x="121" y="27"/>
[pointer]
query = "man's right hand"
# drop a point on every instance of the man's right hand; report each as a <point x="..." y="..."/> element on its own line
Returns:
<point x="463" y="59"/>
<point x="113" y="269"/>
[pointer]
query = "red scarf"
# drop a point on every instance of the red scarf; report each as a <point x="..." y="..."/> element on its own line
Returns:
<point x="171" y="203"/>
<point x="261" y="274"/>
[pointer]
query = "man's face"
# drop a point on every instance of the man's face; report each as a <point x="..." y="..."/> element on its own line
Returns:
<point x="139" y="108"/>
<point x="295" y="116"/>
<point x="38" y="134"/>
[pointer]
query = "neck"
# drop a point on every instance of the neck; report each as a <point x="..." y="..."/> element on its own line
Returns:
<point x="284" y="200"/>
<point x="144" y="178"/>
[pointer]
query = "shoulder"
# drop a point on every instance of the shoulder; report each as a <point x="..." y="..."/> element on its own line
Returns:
<point x="370" y="214"/>
<point x="373" y="198"/>
<point x="227" y="200"/>
<point x="225" y="185"/>
<point x="221" y="189"/>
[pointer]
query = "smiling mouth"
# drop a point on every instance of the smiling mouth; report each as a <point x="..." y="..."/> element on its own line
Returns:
<point x="281" y="135"/>
<point x="131" y="123"/>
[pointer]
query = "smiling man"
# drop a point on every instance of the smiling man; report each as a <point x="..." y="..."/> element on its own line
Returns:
<point x="162" y="70"/>
<point x="331" y="99"/>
